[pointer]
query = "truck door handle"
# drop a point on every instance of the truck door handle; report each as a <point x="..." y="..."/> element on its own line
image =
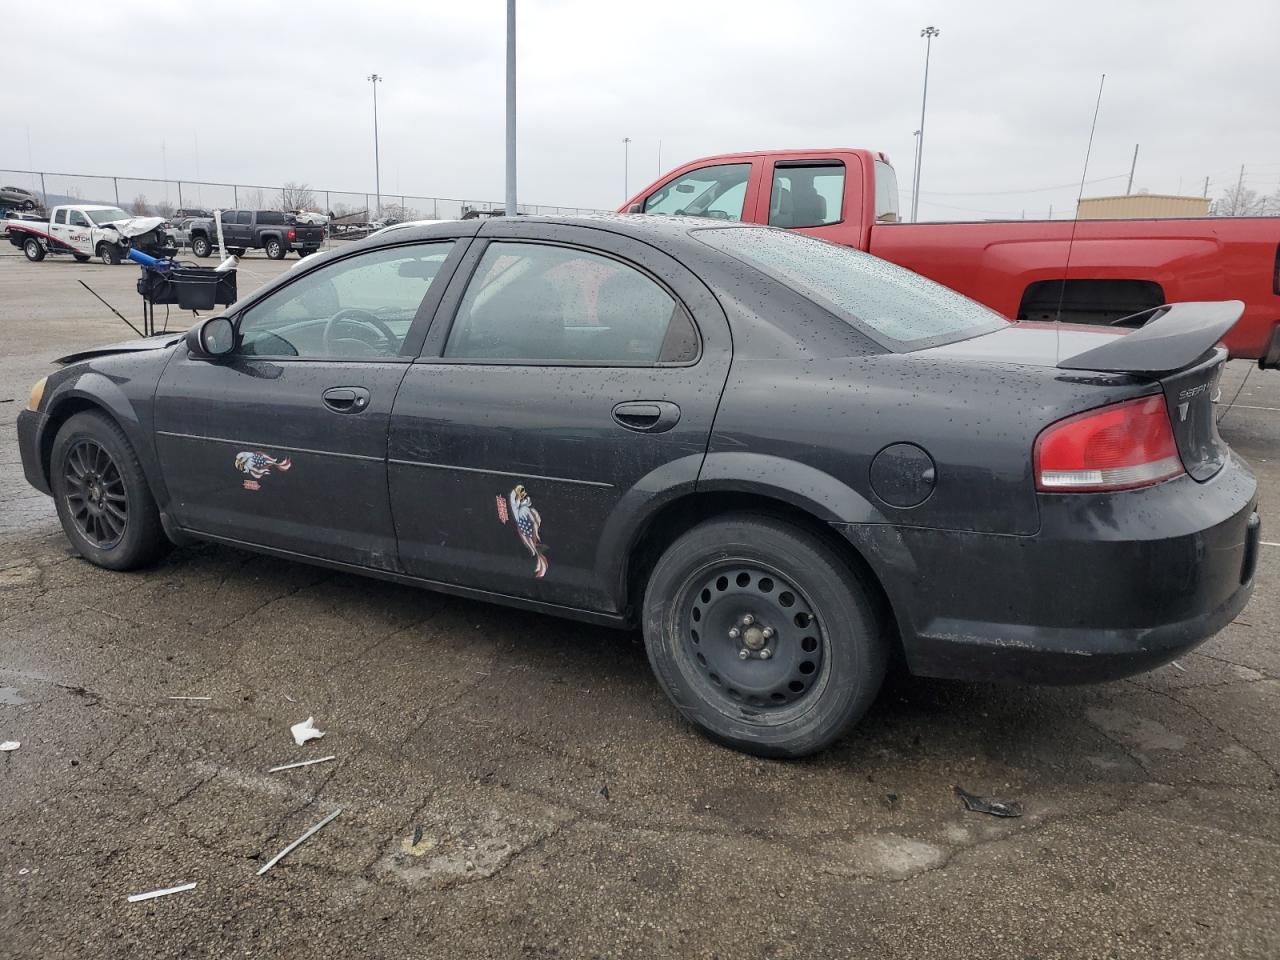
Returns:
<point x="346" y="399"/>
<point x="647" y="416"/>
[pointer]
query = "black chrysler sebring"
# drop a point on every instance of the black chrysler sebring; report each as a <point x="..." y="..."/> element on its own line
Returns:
<point x="784" y="460"/>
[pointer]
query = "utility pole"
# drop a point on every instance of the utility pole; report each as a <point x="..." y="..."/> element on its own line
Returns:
<point x="377" y="163"/>
<point x="1235" y="203"/>
<point x="659" y="158"/>
<point x="1132" y="167"/>
<point x="626" y="168"/>
<point x="1206" y="187"/>
<point x="511" y="209"/>
<point x="928" y="33"/>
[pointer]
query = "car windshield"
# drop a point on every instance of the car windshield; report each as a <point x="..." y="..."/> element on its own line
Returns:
<point x="896" y="308"/>
<point x="109" y="215"/>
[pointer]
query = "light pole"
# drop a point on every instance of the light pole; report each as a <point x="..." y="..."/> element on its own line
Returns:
<point x="377" y="165"/>
<point x="928" y="33"/>
<point x="626" y="168"/>
<point x="511" y="209"/>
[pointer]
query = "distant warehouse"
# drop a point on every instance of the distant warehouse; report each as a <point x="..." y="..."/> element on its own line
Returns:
<point x="1139" y="206"/>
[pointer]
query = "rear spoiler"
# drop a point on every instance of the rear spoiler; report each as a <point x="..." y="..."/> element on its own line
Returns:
<point x="1175" y="337"/>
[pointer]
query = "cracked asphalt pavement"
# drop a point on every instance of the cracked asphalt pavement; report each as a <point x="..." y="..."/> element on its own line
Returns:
<point x="513" y="785"/>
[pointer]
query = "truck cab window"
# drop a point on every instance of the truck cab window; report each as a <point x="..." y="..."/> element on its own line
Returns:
<point x="806" y="196"/>
<point x="60" y="216"/>
<point x="886" y="193"/>
<point x="717" y="192"/>
<point x="78" y="219"/>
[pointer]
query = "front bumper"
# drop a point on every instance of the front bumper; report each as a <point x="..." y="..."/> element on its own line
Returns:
<point x="1111" y="585"/>
<point x="30" y="427"/>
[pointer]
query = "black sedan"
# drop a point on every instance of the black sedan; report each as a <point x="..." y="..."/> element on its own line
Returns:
<point x="784" y="460"/>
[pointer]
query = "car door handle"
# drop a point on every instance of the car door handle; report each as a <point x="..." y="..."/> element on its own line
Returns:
<point x="346" y="399"/>
<point x="647" y="416"/>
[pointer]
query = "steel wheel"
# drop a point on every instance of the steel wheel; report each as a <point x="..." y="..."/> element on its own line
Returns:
<point x="753" y="639"/>
<point x="95" y="494"/>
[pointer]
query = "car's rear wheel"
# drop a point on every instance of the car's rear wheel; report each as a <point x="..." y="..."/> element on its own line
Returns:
<point x="275" y="249"/>
<point x="32" y="248"/>
<point x="201" y="247"/>
<point x="763" y="636"/>
<point x="102" y="497"/>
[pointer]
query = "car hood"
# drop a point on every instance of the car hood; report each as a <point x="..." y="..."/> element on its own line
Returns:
<point x="135" y="226"/>
<point x="1034" y="344"/>
<point x="161" y="341"/>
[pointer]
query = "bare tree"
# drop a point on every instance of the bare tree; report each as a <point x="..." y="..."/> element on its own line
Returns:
<point x="163" y="208"/>
<point x="1239" y="201"/>
<point x="140" y="207"/>
<point x="252" y="200"/>
<point x="297" y="196"/>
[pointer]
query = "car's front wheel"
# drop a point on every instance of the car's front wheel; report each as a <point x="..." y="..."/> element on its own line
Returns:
<point x="102" y="497"/>
<point x="109" y="254"/>
<point x="763" y="635"/>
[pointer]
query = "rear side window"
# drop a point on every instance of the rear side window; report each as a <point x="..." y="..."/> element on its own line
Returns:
<point x="60" y="217"/>
<point x="270" y="218"/>
<point x="542" y="303"/>
<point x="244" y="216"/>
<point x="717" y="192"/>
<point x="896" y="308"/>
<point x="806" y="196"/>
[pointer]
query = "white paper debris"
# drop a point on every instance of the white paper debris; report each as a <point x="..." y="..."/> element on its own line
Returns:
<point x="300" y="763"/>
<point x="10" y="745"/>
<point x="191" y="698"/>
<point x="283" y="853"/>
<point x="151" y="895"/>
<point x="306" y="730"/>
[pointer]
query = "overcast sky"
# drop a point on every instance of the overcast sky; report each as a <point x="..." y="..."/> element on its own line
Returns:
<point x="267" y="92"/>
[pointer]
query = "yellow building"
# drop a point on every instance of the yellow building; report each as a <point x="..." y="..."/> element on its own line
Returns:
<point x="1139" y="206"/>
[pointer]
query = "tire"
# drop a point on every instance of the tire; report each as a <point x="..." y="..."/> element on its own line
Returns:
<point x="92" y="445"/>
<point x="201" y="247"/>
<point x="82" y="257"/>
<point x="28" y="205"/>
<point x="31" y="247"/>
<point x="826" y="645"/>
<point x="109" y="254"/>
<point x="236" y="251"/>
<point x="306" y="252"/>
<point x="275" y="249"/>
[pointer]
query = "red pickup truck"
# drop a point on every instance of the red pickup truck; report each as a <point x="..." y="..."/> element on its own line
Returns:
<point x="1017" y="267"/>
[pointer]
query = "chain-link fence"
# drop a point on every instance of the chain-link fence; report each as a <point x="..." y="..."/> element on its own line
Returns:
<point x="142" y="196"/>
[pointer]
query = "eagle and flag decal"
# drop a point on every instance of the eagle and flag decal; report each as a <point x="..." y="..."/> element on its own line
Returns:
<point x="519" y="505"/>
<point x="257" y="465"/>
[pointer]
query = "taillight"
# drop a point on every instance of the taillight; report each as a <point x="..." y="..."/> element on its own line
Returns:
<point x="293" y="234"/>
<point x="1119" y="447"/>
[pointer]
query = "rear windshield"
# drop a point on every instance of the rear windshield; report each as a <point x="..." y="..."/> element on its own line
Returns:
<point x="896" y="308"/>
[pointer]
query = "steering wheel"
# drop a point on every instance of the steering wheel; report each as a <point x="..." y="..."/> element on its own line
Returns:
<point x="357" y="317"/>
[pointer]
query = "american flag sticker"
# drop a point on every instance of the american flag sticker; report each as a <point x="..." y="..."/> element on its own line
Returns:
<point x="502" y="507"/>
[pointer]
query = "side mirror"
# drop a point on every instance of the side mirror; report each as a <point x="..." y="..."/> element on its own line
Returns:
<point x="212" y="338"/>
<point x="635" y="208"/>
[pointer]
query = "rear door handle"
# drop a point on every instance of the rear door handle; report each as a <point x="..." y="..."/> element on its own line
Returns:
<point x="647" y="416"/>
<point x="346" y="399"/>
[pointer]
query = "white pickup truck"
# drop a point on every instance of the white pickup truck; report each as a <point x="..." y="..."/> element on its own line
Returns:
<point x="87" y="230"/>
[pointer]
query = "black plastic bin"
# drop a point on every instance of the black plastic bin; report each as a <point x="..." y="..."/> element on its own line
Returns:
<point x="191" y="288"/>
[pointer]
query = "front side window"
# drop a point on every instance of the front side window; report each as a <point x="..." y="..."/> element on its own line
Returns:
<point x="354" y="309"/>
<point x="806" y="196"/>
<point x="896" y="308"/>
<point x="542" y="303"/>
<point x="717" y="192"/>
<point x="78" y="219"/>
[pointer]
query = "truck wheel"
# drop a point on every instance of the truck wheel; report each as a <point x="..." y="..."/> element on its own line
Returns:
<point x="82" y="257"/>
<point x="109" y="254"/>
<point x="236" y="251"/>
<point x="275" y="249"/>
<point x="763" y="636"/>
<point x="201" y="247"/>
<point x="31" y="247"/>
<point x="103" y="501"/>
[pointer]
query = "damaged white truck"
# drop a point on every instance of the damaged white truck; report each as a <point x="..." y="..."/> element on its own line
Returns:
<point x="86" y="230"/>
